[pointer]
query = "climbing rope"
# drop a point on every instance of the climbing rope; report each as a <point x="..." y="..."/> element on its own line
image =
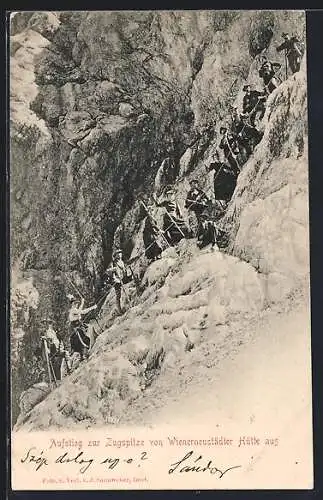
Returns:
<point x="80" y="339"/>
<point x="173" y="223"/>
<point x="233" y="155"/>
<point x="74" y="286"/>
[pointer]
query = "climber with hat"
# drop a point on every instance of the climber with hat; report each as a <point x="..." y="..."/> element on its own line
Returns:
<point x="54" y="347"/>
<point x="118" y="274"/>
<point x="268" y="73"/>
<point x="235" y="119"/>
<point x="79" y="337"/>
<point x="50" y="334"/>
<point x="207" y="232"/>
<point x="224" y="180"/>
<point x="293" y="52"/>
<point x="229" y="145"/>
<point x="196" y="202"/>
<point x="77" y="309"/>
<point x="253" y="103"/>
<point x="248" y="136"/>
<point x="174" y="227"/>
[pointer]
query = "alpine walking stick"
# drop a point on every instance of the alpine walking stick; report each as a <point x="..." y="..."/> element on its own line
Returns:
<point x="75" y="288"/>
<point x="159" y="230"/>
<point x="47" y="362"/>
<point x="233" y="155"/>
<point x="51" y="373"/>
<point x="135" y="279"/>
<point x="68" y="368"/>
<point x="174" y="223"/>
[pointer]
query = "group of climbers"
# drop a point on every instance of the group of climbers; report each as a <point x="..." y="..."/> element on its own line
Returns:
<point x="238" y="143"/>
<point x="201" y="216"/>
<point x="201" y="221"/>
<point x="234" y="148"/>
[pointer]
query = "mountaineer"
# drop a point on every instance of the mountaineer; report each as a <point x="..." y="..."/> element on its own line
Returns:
<point x="117" y="275"/>
<point x="79" y="337"/>
<point x="206" y="232"/>
<point x="174" y="226"/>
<point x="235" y="120"/>
<point x="253" y="103"/>
<point x="224" y="180"/>
<point x="166" y="173"/>
<point x="55" y="351"/>
<point x="293" y="52"/>
<point x="268" y="73"/>
<point x="196" y="202"/>
<point x="151" y="234"/>
<point x="248" y="136"/>
<point x="230" y="149"/>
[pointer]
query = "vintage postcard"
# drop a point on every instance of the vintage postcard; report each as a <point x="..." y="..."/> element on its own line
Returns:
<point x="159" y="244"/>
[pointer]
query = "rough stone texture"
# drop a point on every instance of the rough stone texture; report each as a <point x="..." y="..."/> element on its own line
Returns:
<point x="98" y="100"/>
<point x="269" y="210"/>
<point x="200" y="288"/>
<point x="161" y="66"/>
<point x="32" y="397"/>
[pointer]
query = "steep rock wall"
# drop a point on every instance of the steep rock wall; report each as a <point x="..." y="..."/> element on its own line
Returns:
<point x="269" y="211"/>
<point x="98" y="100"/>
<point x="198" y="299"/>
<point x="110" y="94"/>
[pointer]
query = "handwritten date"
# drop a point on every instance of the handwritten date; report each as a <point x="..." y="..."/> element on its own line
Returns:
<point x="38" y="460"/>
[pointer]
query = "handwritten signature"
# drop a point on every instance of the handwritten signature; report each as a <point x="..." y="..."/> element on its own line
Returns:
<point x="197" y="465"/>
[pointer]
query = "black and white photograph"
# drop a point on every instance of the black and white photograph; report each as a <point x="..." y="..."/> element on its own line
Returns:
<point x="159" y="244"/>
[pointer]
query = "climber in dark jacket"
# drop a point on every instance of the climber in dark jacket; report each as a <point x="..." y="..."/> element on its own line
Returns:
<point x="206" y="232"/>
<point x="224" y="180"/>
<point x="253" y="104"/>
<point x="196" y="202"/>
<point x="230" y="149"/>
<point x="247" y="135"/>
<point x="268" y="72"/>
<point x="293" y="51"/>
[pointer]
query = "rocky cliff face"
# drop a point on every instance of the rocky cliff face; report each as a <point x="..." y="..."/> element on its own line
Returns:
<point x="98" y="101"/>
<point x="269" y="210"/>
